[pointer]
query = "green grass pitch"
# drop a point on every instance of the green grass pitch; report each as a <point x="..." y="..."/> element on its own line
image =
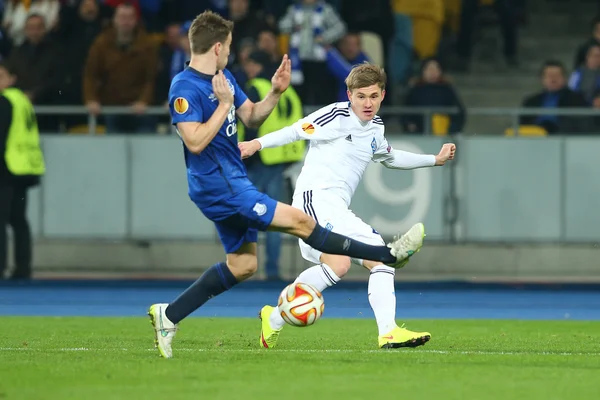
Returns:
<point x="112" y="358"/>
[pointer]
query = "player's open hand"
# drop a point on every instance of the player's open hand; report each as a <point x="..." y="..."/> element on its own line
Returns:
<point x="221" y="89"/>
<point x="445" y="154"/>
<point x="247" y="149"/>
<point x="282" y="77"/>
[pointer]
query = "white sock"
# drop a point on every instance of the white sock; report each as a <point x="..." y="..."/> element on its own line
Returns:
<point x="320" y="276"/>
<point x="382" y="297"/>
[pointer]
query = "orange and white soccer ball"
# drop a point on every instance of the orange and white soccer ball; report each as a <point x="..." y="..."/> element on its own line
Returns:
<point x="301" y="304"/>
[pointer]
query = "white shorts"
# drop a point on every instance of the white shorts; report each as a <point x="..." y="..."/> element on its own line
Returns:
<point x="331" y="212"/>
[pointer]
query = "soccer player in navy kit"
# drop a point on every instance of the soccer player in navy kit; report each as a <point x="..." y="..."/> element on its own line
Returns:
<point x="205" y="102"/>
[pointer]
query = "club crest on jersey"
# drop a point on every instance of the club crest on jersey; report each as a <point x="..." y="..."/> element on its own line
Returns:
<point x="212" y="96"/>
<point x="374" y="145"/>
<point x="309" y="129"/>
<point x="181" y="105"/>
<point x="231" y="87"/>
<point x="389" y="149"/>
<point x="260" y="209"/>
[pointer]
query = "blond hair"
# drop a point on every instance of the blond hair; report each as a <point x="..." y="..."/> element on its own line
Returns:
<point x="365" y="75"/>
<point x="207" y="29"/>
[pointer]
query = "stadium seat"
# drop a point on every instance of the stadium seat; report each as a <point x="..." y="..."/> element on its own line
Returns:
<point x="401" y="53"/>
<point x="157" y="38"/>
<point x="84" y="129"/>
<point x="373" y="47"/>
<point x="440" y="124"/>
<point x="527" y="130"/>
<point x="427" y="22"/>
<point x="452" y="9"/>
<point x="427" y="35"/>
<point x="284" y="44"/>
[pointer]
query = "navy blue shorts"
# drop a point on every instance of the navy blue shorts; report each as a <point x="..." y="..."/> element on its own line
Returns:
<point x="239" y="218"/>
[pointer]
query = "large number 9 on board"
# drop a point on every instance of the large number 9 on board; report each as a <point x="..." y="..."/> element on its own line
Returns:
<point x="418" y="195"/>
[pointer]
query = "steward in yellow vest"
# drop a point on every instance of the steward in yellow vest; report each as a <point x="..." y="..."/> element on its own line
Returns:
<point x="267" y="171"/>
<point x="287" y="112"/>
<point x="21" y="166"/>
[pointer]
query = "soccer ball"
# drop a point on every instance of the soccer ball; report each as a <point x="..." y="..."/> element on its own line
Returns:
<point x="301" y="304"/>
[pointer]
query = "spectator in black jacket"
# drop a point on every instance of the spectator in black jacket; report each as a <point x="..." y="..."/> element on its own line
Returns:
<point x="80" y="23"/>
<point x="36" y="61"/>
<point x="556" y="94"/>
<point x="432" y="89"/>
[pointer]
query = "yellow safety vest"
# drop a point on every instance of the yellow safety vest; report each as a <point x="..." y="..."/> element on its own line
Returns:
<point x="23" y="151"/>
<point x="287" y="112"/>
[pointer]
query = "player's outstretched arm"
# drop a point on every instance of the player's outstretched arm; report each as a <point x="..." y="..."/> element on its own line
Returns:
<point x="273" y="139"/>
<point x="398" y="159"/>
<point x="254" y="114"/>
<point x="305" y="129"/>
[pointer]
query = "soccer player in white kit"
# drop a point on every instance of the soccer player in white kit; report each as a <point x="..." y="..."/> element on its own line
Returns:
<point x="344" y="138"/>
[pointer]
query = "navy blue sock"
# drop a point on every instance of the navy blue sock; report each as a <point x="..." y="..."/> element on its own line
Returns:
<point x="214" y="281"/>
<point x="333" y="243"/>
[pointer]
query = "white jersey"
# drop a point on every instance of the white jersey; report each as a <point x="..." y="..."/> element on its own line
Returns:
<point x="341" y="147"/>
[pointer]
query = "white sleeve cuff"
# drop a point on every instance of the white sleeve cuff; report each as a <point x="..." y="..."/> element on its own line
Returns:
<point x="278" y="138"/>
<point x="406" y="160"/>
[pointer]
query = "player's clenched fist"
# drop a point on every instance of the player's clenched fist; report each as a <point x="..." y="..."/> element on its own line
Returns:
<point x="445" y="154"/>
<point x="221" y="89"/>
<point x="247" y="149"/>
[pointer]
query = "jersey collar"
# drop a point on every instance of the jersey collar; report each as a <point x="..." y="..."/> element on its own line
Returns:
<point x="202" y="75"/>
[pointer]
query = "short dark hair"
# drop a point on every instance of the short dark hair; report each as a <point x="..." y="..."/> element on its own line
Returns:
<point x="428" y="60"/>
<point x="36" y="15"/>
<point x="206" y="30"/>
<point x="268" y="29"/>
<point x="259" y="57"/>
<point x="126" y="4"/>
<point x="555" y="64"/>
<point x="591" y="46"/>
<point x="352" y="32"/>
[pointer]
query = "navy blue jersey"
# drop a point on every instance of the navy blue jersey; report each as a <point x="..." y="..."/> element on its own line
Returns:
<point x="218" y="172"/>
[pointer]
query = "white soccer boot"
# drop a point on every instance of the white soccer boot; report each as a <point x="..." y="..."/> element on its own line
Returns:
<point x="164" y="329"/>
<point x="407" y="245"/>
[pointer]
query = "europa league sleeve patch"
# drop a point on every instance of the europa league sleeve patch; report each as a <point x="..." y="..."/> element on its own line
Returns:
<point x="309" y="129"/>
<point x="181" y="105"/>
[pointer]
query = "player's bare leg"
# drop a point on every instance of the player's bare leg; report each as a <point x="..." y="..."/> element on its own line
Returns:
<point x="244" y="262"/>
<point x="219" y="278"/>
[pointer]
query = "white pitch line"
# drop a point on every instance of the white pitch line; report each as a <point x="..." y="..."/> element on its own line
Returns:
<point x="349" y="351"/>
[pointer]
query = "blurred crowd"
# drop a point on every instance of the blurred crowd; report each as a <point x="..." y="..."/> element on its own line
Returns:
<point x="125" y="52"/>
